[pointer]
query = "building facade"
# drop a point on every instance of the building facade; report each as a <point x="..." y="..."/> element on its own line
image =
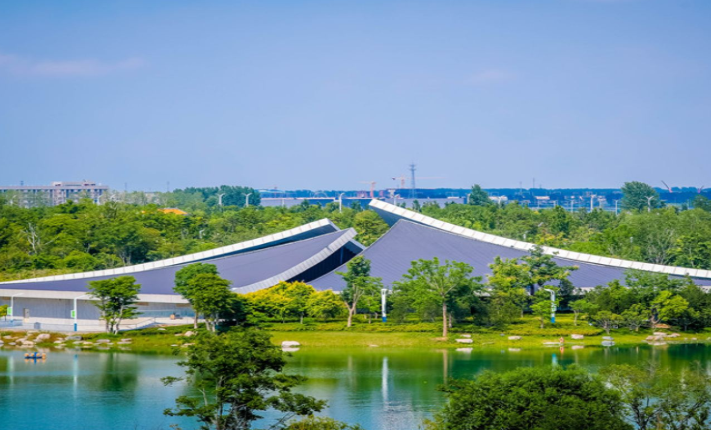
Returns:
<point x="55" y="194"/>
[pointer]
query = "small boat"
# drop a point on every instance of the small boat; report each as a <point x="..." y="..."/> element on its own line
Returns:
<point x="35" y="356"/>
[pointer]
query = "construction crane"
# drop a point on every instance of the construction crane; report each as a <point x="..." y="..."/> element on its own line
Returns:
<point x="668" y="187"/>
<point x="700" y="189"/>
<point x="372" y="187"/>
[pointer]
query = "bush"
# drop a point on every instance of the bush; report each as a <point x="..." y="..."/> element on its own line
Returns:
<point x="321" y="423"/>
<point x="531" y="398"/>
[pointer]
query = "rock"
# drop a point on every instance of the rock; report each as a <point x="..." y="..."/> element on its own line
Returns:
<point x="161" y="329"/>
<point x="514" y="349"/>
<point x="373" y="346"/>
<point x="608" y="343"/>
<point x="659" y="333"/>
<point x="289" y="349"/>
<point x="514" y="337"/>
<point x="608" y="338"/>
<point x="78" y="342"/>
<point x="87" y="343"/>
<point x="189" y="333"/>
<point x="290" y="343"/>
<point x="8" y="337"/>
<point x="126" y="340"/>
<point x="674" y="335"/>
<point x="577" y="336"/>
<point x="185" y="345"/>
<point x="75" y="337"/>
<point x="43" y="336"/>
<point x="178" y="334"/>
<point x="175" y="344"/>
<point x="12" y="343"/>
<point x="103" y="341"/>
<point x="32" y="332"/>
<point x="658" y="343"/>
<point x="467" y="350"/>
<point x="693" y="338"/>
<point x="464" y="340"/>
<point x="466" y="335"/>
<point x="578" y="346"/>
<point x="58" y="341"/>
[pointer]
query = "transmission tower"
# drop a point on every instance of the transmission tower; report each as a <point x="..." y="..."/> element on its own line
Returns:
<point x="413" y="193"/>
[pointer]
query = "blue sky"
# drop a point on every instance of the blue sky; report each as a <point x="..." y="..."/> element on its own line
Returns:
<point x="325" y="94"/>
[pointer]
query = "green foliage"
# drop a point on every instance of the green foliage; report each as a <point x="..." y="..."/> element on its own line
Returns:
<point x="238" y="374"/>
<point x="211" y="296"/>
<point x="638" y="196"/>
<point x="531" y="398"/>
<point x="115" y="298"/>
<point x="359" y="284"/>
<point x="325" y="305"/>
<point x="3" y="310"/>
<point x="478" y="197"/>
<point x="447" y="285"/>
<point x="369" y="226"/>
<point x="659" y="398"/>
<point x="320" y="423"/>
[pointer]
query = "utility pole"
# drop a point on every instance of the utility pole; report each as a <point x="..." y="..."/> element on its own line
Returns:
<point x="219" y="199"/>
<point x="246" y="200"/>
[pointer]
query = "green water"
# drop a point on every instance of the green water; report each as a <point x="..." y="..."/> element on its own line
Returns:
<point x="381" y="389"/>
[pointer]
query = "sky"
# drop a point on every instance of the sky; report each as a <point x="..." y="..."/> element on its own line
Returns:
<point x="330" y="94"/>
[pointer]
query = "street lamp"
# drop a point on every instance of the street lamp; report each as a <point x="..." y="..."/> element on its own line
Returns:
<point x="395" y="197"/>
<point x="649" y="203"/>
<point x="10" y="311"/>
<point x="246" y="200"/>
<point x="74" y="311"/>
<point x="383" y="303"/>
<point x="340" y="202"/>
<point x="553" y="307"/>
<point x="219" y="199"/>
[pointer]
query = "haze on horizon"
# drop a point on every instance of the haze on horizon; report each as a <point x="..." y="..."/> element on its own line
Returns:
<point x="324" y="95"/>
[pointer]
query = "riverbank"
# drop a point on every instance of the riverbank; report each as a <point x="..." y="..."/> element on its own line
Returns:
<point x="524" y="334"/>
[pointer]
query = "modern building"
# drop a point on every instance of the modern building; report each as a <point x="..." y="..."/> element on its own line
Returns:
<point x="415" y="236"/>
<point x="311" y="253"/>
<point x="55" y="194"/>
<point x="300" y="254"/>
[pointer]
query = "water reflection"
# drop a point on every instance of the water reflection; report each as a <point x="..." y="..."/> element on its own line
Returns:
<point x="380" y="389"/>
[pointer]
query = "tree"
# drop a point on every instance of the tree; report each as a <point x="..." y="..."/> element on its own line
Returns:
<point x="115" y="298"/>
<point x="298" y="294"/>
<point x="320" y="423"/>
<point x="369" y="226"/>
<point x="666" y="306"/>
<point x="211" y="296"/>
<point x="325" y="304"/>
<point x="478" y="197"/>
<point x="358" y="283"/>
<point x="545" y="271"/>
<point x="185" y="288"/>
<point x="3" y="310"/>
<point x="541" y="308"/>
<point x="607" y="320"/>
<point x="531" y="398"/>
<point x="702" y="202"/>
<point x="638" y="196"/>
<point x="441" y="283"/>
<point x="507" y="282"/>
<point x="581" y="306"/>
<point x="635" y="317"/>
<point x="238" y="374"/>
<point x="656" y="398"/>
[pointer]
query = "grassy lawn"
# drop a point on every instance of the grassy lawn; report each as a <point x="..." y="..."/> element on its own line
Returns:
<point x="363" y="334"/>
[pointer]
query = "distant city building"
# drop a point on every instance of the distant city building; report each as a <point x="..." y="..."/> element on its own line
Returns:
<point x="52" y="195"/>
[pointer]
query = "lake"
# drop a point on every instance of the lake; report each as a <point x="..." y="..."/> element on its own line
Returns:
<point x="381" y="389"/>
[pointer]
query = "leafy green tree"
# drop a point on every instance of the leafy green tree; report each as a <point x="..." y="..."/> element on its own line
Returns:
<point x="635" y="317"/>
<point x="298" y="294"/>
<point x="544" y="271"/>
<point x="440" y="283"/>
<point x="507" y="283"/>
<point x="534" y="398"/>
<point x="359" y="283"/>
<point x="3" y="310"/>
<point x="581" y="306"/>
<point x="238" y="374"/>
<point x="638" y="196"/>
<point x="541" y="308"/>
<point x="185" y="288"/>
<point x="666" y="306"/>
<point x="478" y="197"/>
<point x="320" y="423"/>
<point x="325" y="304"/>
<point x="703" y="203"/>
<point x="369" y="226"/>
<point x="115" y="298"/>
<point x="606" y="320"/>
<point x="661" y="399"/>
<point x="211" y="297"/>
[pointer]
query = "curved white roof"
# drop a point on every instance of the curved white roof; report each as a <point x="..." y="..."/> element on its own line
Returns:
<point x="392" y="213"/>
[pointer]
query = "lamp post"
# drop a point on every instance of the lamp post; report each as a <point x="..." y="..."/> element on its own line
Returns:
<point x="219" y="199"/>
<point x="340" y="202"/>
<point x="74" y="311"/>
<point x="616" y="201"/>
<point x="246" y="200"/>
<point x="553" y="307"/>
<point x="383" y="303"/>
<point x="11" y="311"/>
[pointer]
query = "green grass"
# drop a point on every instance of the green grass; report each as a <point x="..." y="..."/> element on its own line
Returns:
<point x="414" y="334"/>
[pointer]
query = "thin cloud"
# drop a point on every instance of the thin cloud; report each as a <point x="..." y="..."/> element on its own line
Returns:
<point x="65" y="68"/>
<point x="491" y="76"/>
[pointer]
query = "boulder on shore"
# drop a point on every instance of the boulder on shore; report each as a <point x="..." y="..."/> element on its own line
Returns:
<point x="464" y="341"/>
<point x="75" y="337"/>
<point x="577" y="336"/>
<point x="290" y="344"/>
<point x="514" y="337"/>
<point x="43" y="336"/>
